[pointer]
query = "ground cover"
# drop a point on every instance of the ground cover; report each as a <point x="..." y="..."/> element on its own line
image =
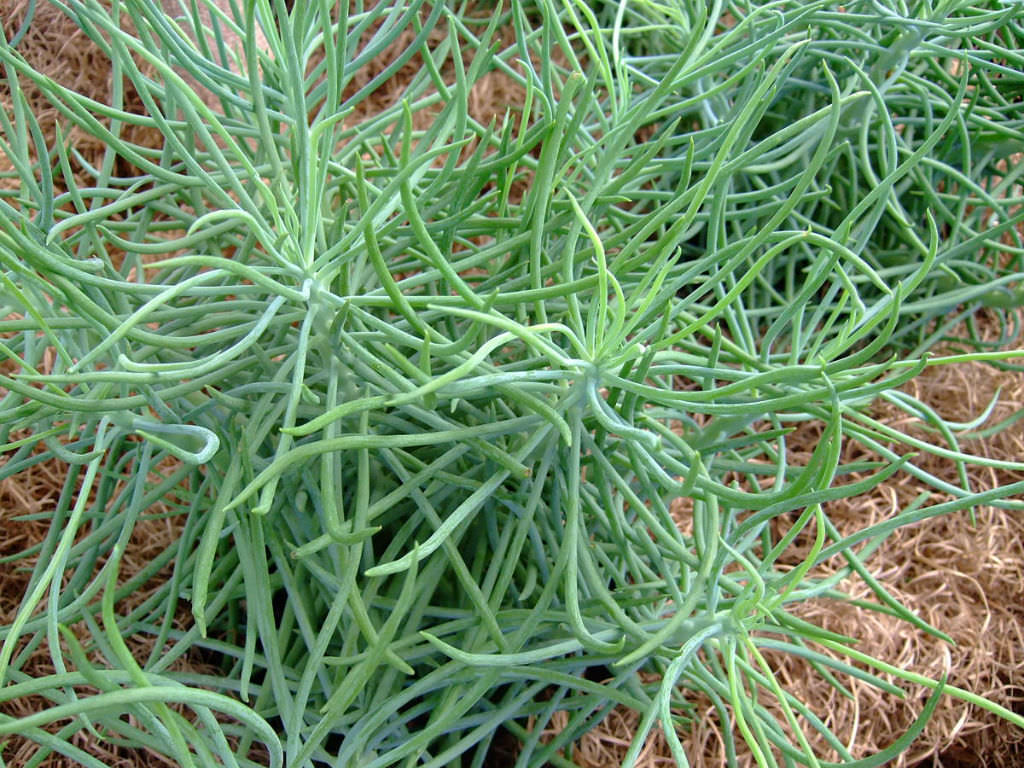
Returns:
<point x="532" y="420"/>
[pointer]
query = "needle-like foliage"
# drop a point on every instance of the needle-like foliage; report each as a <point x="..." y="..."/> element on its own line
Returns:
<point x="453" y="456"/>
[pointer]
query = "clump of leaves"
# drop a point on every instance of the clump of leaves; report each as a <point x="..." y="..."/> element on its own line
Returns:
<point x="427" y="435"/>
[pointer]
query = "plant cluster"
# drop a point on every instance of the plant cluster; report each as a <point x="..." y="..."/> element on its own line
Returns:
<point x="452" y="456"/>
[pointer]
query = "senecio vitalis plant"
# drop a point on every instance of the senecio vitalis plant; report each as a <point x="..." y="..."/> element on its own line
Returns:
<point x="426" y="392"/>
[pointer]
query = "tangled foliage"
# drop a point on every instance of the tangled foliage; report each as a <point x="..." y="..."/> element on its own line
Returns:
<point x="427" y="397"/>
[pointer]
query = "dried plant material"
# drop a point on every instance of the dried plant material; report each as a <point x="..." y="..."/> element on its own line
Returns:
<point x="964" y="578"/>
<point x="56" y="46"/>
<point x="26" y="500"/>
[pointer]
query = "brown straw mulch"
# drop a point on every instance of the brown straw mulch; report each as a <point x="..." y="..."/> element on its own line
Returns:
<point x="965" y="579"/>
<point x="57" y="47"/>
